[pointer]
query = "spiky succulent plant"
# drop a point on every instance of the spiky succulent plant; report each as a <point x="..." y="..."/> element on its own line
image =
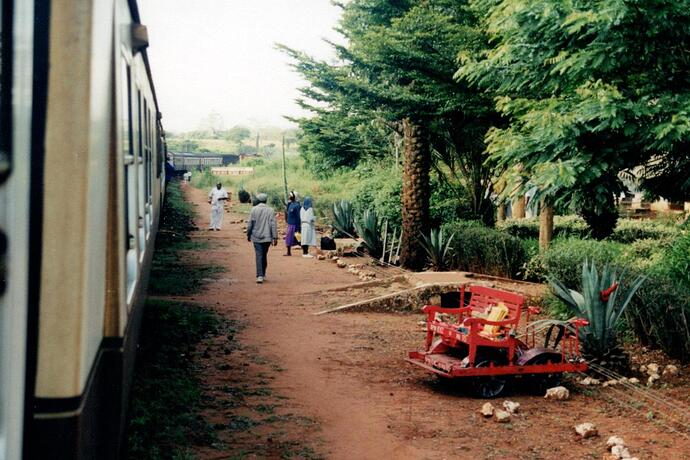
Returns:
<point x="369" y="229"/>
<point x="600" y="304"/>
<point x="437" y="248"/>
<point x="344" y="219"/>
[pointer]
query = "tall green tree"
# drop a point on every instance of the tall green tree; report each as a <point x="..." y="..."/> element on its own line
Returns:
<point x="592" y="88"/>
<point x="398" y="67"/>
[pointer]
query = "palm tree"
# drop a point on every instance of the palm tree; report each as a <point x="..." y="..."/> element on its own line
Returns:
<point x="415" y="193"/>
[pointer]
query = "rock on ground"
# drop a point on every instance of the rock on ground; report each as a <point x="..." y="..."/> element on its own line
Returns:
<point x="670" y="369"/>
<point x="501" y="416"/>
<point x="620" y="452"/>
<point x="557" y="393"/>
<point x="652" y="378"/>
<point x="586" y="430"/>
<point x="487" y="410"/>
<point x="589" y="381"/>
<point x="511" y="406"/>
<point x="615" y="441"/>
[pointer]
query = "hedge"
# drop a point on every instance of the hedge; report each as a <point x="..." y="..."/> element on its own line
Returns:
<point x="627" y="230"/>
<point x="480" y="249"/>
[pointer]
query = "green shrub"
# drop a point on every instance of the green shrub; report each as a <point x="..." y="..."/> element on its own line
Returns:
<point x="563" y="227"/>
<point x="379" y="189"/>
<point x="447" y="205"/>
<point x="564" y="258"/>
<point x="660" y="311"/>
<point x="480" y="249"/>
<point x="630" y="230"/>
<point x="627" y="230"/>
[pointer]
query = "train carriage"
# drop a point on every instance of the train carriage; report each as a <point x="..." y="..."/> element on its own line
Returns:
<point x="81" y="184"/>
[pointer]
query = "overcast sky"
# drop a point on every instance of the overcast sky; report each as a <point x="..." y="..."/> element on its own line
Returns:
<point x="218" y="56"/>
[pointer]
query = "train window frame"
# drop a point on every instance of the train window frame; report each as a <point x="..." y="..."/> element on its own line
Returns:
<point x="141" y="201"/>
<point x="129" y="173"/>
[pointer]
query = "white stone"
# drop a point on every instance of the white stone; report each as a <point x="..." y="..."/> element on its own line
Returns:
<point x="634" y="380"/>
<point x="589" y="381"/>
<point x="615" y="441"/>
<point x="557" y="393"/>
<point x="620" y="452"/>
<point x="320" y="257"/>
<point x="652" y="378"/>
<point x="487" y="410"/>
<point x="670" y="369"/>
<point x="652" y="368"/>
<point x="341" y="264"/>
<point x="511" y="406"/>
<point x="501" y="416"/>
<point x="586" y="430"/>
<point x="610" y="383"/>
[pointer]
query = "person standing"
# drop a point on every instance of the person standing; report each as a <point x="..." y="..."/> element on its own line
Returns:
<point x="293" y="220"/>
<point x="261" y="231"/>
<point x="216" y="198"/>
<point x="308" y="220"/>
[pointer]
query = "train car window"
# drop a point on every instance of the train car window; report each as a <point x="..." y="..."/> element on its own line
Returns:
<point x="147" y="144"/>
<point x="141" y="184"/>
<point x="130" y="221"/>
<point x="5" y="90"/>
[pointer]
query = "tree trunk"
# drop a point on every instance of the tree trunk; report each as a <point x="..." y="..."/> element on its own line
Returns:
<point x="501" y="212"/>
<point x="545" y="225"/>
<point x="415" y="194"/>
<point x="519" y="208"/>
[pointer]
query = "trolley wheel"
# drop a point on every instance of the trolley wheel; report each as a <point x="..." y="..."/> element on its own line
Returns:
<point x="539" y="383"/>
<point x="489" y="386"/>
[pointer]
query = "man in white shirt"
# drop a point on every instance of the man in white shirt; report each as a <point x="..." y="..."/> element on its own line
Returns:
<point x="217" y="198"/>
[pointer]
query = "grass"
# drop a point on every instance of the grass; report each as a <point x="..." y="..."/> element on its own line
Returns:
<point x="170" y="274"/>
<point x="268" y="178"/>
<point x="166" y="394"/>
<point x="166" y="399"/>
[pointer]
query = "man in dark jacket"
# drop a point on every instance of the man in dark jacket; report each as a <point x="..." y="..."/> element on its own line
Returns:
<point x="262" y="230"/>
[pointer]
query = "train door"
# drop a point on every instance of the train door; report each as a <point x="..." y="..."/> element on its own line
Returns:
<point x="16" y="50"/>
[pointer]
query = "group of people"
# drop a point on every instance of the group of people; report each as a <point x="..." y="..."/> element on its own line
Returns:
<point x="300" y="225"/>
<point x="262" y="229"/>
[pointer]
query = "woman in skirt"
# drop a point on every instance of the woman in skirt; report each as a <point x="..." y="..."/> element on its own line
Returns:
<point x="293" y="221"/>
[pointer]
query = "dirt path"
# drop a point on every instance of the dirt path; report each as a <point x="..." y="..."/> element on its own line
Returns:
<point x="290" y="384"/>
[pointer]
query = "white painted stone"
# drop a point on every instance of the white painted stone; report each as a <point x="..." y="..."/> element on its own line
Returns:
<point x="557" y="393"/>
<point x="586" y="430"/>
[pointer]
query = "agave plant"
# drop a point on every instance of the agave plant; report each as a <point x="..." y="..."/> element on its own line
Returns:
<point x="438" y="250"/>
<point x="599" y="304"/>
<point x="344" y="219"/>
<point x="369" y="229"/>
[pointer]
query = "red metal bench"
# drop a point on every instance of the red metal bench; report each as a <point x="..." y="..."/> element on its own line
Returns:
<point x="470" y="322"/>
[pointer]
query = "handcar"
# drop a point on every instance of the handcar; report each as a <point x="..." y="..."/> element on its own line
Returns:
<point x="480" y="343"/>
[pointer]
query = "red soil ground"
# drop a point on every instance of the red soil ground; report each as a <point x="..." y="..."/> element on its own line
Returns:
<point x="291" y="384"/>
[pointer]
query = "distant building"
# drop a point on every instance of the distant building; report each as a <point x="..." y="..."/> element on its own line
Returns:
<point x="232" y="171"/>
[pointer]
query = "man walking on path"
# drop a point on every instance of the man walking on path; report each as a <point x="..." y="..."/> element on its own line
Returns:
<point x="217" y="197"/>
<point x="262" y="230"/>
